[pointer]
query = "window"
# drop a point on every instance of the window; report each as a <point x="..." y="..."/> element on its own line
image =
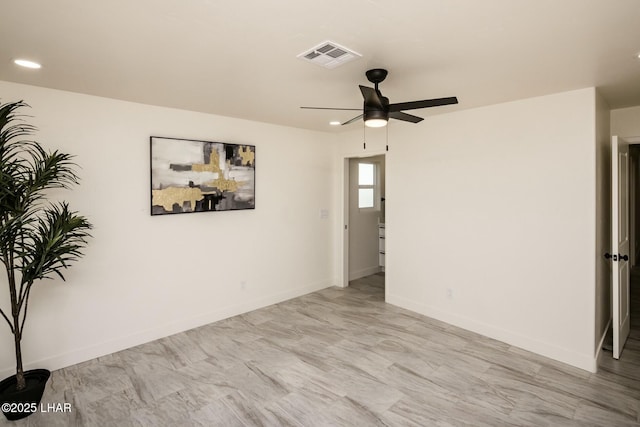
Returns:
<point x="366" y="185"/>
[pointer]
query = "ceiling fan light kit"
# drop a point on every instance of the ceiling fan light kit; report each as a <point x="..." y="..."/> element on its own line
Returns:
<point x="376" y="118"/>
<point x="376" y="109"/>
<point x="375" y="123"/>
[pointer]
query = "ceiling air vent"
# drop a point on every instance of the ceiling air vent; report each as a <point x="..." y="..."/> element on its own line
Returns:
<point x="329" y="54"/>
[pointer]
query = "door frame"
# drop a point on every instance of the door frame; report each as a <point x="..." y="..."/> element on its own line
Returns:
<point x="343" y="267"/>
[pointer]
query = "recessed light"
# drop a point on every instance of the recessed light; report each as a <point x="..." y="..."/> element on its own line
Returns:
<point x="334" y="123"/>
<point x="27" y="64"/>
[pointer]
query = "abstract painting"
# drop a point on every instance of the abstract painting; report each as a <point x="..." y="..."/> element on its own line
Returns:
<point x="199" y="176"/>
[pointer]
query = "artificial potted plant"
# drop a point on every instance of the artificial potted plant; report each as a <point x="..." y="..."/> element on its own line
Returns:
<point x="38" y="240"/>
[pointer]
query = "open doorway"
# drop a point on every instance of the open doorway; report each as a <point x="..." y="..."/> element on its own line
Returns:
<point x="365" y="209"/>
<point x="634" y="205"/>
<point x="634" y="244"/>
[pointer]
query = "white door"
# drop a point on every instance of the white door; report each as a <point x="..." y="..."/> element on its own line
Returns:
<point x="620" y="242"/>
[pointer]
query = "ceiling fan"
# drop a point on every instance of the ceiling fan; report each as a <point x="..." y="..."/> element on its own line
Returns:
<point x="376" y="109"/>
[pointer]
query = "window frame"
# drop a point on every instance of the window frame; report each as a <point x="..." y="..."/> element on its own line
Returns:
<point x="375" y="186"/>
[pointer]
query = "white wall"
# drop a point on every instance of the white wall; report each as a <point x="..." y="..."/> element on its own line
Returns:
<point x="497" y="204"/>
<point x="146" y="277"/>
<point x="363" y="224"/>
<point x="626" y="122"/>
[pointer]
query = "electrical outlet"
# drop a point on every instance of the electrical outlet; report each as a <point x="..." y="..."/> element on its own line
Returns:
<point x="449" y="293"/>
<point x="243" y="285"/>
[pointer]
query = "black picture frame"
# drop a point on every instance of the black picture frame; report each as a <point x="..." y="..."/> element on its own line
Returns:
<point x="189" y="175"/>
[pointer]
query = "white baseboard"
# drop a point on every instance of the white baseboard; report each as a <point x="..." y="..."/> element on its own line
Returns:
<point x="91" y="352"/>
<point x="353" y="275"/>
<point x="582" y="361"/>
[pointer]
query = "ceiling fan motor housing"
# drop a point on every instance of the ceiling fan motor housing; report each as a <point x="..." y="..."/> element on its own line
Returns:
<point x="371" y="114"/>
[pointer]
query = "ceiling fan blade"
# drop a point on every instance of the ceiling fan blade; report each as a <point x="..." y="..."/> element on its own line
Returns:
<point x="355" y="119"/>
<point x="399" y="115"/>
<point x="329" y="108"/>
<point x="437" y="102"/>
<point x="371" y="97"/>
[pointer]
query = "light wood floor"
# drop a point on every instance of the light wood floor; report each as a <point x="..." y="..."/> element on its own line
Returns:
<point x="340" y="357"/>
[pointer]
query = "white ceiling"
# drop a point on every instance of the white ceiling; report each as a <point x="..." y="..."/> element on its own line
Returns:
<point x="238" y="58"/>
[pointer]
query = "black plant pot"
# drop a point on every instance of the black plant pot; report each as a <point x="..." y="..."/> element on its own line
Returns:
<point x="25" y="402"/>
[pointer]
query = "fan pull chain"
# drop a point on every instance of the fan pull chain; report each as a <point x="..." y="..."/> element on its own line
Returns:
<point x="387" y="145"/>
<point x="364" y="136"/>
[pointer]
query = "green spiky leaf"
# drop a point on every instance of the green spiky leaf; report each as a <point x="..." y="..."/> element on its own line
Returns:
<point x="38" y="239"/>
